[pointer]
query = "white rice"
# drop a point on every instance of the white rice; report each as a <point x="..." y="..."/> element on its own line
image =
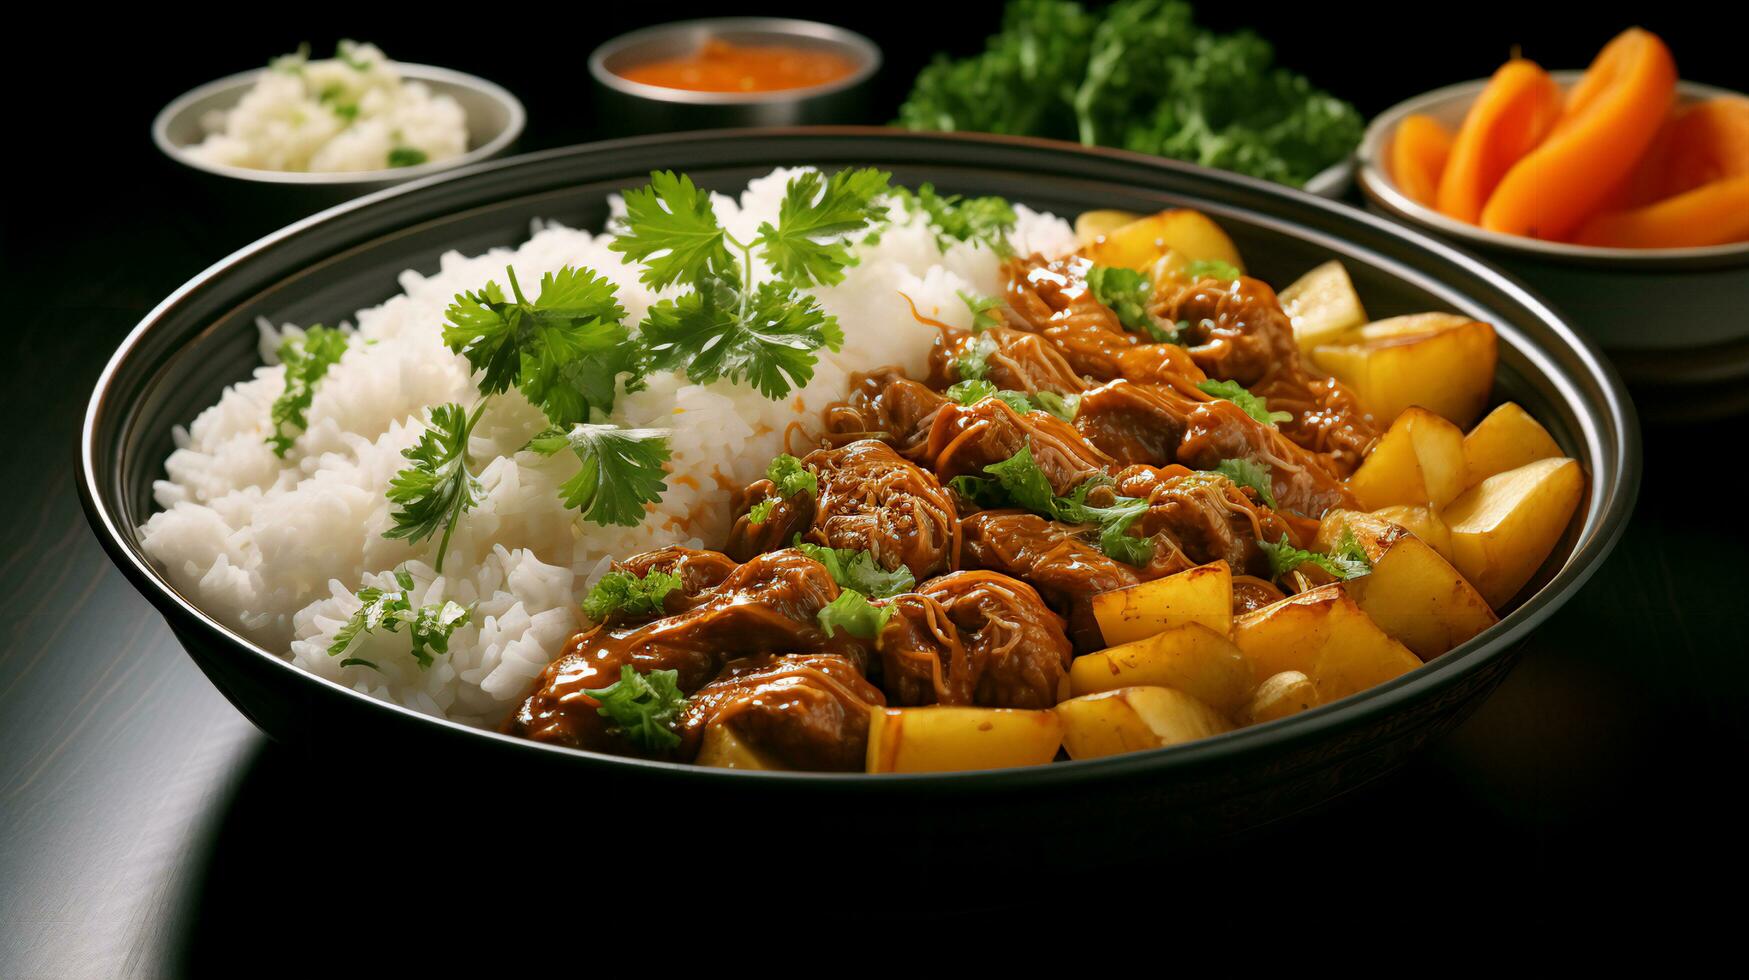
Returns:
<point x="343" y="114"/>
<point x="276" y="548"/>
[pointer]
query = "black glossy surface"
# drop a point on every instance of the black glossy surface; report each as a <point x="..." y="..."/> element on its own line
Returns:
<point x="1590" y="806"/>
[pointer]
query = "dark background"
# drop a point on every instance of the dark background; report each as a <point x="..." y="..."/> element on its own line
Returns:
<point x="147" y="829"/>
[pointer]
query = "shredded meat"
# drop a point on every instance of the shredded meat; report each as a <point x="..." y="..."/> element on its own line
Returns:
<point x="888" y="406"/>
<point x="873" y="499"/>
<point x="967" y="438"/>
<point x="974" y="637"/>
<point x="1021" y="361"/>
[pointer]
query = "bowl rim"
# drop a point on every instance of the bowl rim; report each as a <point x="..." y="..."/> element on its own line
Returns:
<point x="1603" y="521"/>
<point x="241" y="81"/>
<point x="1382" y="190"/>
<point x="870" y="58"/>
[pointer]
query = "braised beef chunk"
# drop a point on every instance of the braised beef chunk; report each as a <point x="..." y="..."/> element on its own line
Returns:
<point x="1220" y="430"/>
<point x="888" y="406"/>
<point x="1251" y="593"/>
<point x="1197" y="518"/>
<point x="1135" y="423"/>
<point x="699" y="571"/>
<point x="875" y="500"/>
<point x="1056" y="559"/>
<point x="1013" y="360"/>
<point x="771" y="603"/>
<point x="967" y="438"/>
<point x="793" y="711"/>
<point x="785" y="518"/>
<point x="974" y="638"/>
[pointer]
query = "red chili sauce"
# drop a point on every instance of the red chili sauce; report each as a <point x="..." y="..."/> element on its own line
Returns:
<point x="719" y="66"/>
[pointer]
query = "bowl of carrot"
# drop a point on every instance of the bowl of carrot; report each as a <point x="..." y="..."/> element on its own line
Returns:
<point x="1620" y="192"/>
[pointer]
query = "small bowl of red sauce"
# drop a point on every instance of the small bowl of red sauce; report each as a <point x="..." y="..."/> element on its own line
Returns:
<point x="733" y="71"/>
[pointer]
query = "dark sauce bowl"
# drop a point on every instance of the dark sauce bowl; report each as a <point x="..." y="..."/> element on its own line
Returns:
<point x="202" y="338"/>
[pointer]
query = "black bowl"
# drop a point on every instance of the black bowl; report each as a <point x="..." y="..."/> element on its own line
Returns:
<point x="180" y="357"/>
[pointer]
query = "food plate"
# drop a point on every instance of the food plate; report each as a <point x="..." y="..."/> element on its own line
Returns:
<point x="203" y="338"/>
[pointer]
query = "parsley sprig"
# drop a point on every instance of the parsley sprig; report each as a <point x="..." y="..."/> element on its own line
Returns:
<point x="789" y="476"/>
<point x="1347" y="561"/>
<point x="853" y="613"/>
<point x="438" y="488"/>
<point x="429" y="626"/>
<point x="621" y="471"/>
<point x="1246" y="473"/>
<point x="985" y="220"/>
<point x="643" y="707"/>
<point x="975" y="390"/>
<point x="307" y="360"/>
<point x="1250" y="404"/>
<point x="856" y="568"/>
<point x="1019" y="481"/>
<point x="625" y="594"/>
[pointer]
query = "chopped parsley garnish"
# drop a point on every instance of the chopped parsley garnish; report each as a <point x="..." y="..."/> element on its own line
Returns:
<point x="643" y="707"/>
<point x="1126" y="292"/>
<point x="855" y="568"/>
<point x="975" y="390"/>
<point x="1019" y="481"/>
<point x="1250" y="404"/>
<point x="789" y="476"/>
<point x="625" y="594"/>
<point x="1284" y="558"/>
<point x="980" y="306"/>
<point x="726" y="326"/>
<point x="621" y="471"/>
<point x="760" y="512"/>
<point x="564" y="351"/>
<point x="437" y="489"/>
<point x="974" y="362"/>
<point x="292" y="64"/>
<point x="1246" y="473"/>
<point x="1062" y="406"/>
<point x="401" y="156"/>
<point x="854" y="614"/>
<point x="986" y="220"/>
<point x="306" y="360"/>
<point x="1212" y="269"/>
<point x="429" y="626"/>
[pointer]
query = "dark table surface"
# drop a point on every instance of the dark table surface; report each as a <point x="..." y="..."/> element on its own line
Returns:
<point x="147" y="829"/>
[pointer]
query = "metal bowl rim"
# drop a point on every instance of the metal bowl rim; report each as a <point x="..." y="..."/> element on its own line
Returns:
<point x="1383" y="191"/>
<point x="240" y="81"/>
<point x="869" y="57"/>
<point x="1605" y="521"/>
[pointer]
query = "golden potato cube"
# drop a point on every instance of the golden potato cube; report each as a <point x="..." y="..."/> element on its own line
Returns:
<point x="1422" y="521"/>
<point x="1420" y="600"/>
<point x="1322" y="304"/>
<point x="723" y="749"/>
<point x="1504" y="528"/>
<point x="1138" y="244"/>
<point x="1287" y="693"/>
<point x="1324" y="634"/>
<point x="1191" y="658"/>
<point x="953" y="739"/>
<point x="1373" y="533"/>
<point x="1419" y="460"/>
<point x="1131" y="719"/>
<point x="1090" y="226"/>
<point x="1203" y="594"/>
<point x="1448" y="369"/>
<point x="1507" y="439"/>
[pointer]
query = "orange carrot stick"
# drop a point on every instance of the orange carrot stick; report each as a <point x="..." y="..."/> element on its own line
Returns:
<point x="1419" y="150"/>
<point x="1711" y="214"/>
<point x="1610" y="119"/>
<point x="1512" y="115"/>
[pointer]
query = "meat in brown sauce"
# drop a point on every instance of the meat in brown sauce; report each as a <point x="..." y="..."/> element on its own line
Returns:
<point x="1065" y="568"/>
<point x="788" y="517"/>
<point x="872" y="499"/>
<point x="1018" y="361"/>
<point x="974" y="638"/>
<point x="888" y="406"/>
<point x="967" y="438"/>
<point x="795" y="711"/>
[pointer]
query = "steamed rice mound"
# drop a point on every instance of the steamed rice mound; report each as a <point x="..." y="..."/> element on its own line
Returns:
<point x="275" y="548"/>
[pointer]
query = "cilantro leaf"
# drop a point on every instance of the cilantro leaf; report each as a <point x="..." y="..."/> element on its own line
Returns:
<point x="1062" y="406"/>
<point x="1252" y="405"/>
<point x="1284" y="558"/>
<point x="760" y="512"/>
<point x="1246" y="473"/>
<point x="306" y="361"/>
<point x="975" y="390"/>
<point x="980" y="307"/>
<point x="974" y="363"/>
<point x="671" y="227"/>
<point x="791" y="476"/>
<point x="855" y="568"/>
<point x="429" y="626"/>
<point x="718" y="330"/>
<point x="1212" y="269"/>
<point x="437" y="489"/>
<point x="643" y="707"/>
<point x="809" y="213"/>
<point x="1019" y="481"/>
<point x="625" y="594"/>
<point x="986" y="220"/>
<point x="854" y="614"/>
<point x="1126" y="292"/>
<point x="564" y="351"/>
<point x="621" y="471"/>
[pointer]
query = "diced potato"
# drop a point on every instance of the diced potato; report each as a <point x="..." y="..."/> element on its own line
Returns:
<point x="1287" y="693"/>
<point x="1422" y="521"/>
<point x="1375" y="534"/>
<point x="722" y="748"/>
<point x="1191" y="658"/>
<point x="1130" y="719"/>
<point x="1428" y="360"/>
<point x="952" y="739"/>
<point x="1090" y="226"/>
<point x="1419" y="460"/>
<point x="1420" y="600"/>
<point x="1138" y="244"/>
<point x="1322" y="304"/>
<point x="1504" y="528"/>
<point x="1324" y="634"/>
<point x="1507" y="439"/>
<point x="1203" y="594"/>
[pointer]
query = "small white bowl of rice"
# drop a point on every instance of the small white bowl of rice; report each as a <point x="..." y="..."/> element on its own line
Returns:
<point x="305" y="133"/>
